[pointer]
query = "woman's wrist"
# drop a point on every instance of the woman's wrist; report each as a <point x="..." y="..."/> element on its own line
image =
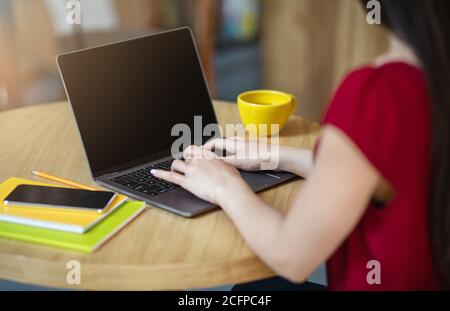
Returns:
<point x="295" y="160"/>
<point x="236" y="194"/>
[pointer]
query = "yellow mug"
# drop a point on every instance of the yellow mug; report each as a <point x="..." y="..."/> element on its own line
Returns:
<point x="261" y="109"/>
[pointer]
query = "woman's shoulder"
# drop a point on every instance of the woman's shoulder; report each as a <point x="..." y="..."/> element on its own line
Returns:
<point x="393" y="84"/>
<point x="373" y="106"/>
<point x="393" y="95"/>
<point x="386" y="72"/>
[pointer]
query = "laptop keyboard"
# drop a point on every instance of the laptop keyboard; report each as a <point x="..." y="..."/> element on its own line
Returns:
<point x="143" y="181"/>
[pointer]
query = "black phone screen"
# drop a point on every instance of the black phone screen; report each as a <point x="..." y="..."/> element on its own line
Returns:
<point x="30" y="195"/>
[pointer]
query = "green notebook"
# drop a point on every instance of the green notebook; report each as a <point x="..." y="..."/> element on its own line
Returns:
<point x="88" y="242"/>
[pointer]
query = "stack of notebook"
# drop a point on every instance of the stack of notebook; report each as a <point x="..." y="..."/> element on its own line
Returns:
<point x="75" y="230"/>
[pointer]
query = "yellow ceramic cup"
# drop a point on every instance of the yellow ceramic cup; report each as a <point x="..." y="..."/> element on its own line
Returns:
<point x="265" y="109"/>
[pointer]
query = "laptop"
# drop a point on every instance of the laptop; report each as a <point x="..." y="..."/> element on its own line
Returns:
<point x="126" y="97"/>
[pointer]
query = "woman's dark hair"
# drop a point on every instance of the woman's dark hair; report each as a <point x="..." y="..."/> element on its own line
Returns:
<point x="425" y="26"/>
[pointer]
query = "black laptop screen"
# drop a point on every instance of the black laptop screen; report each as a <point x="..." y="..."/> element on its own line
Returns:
<point x="127" y="96"/>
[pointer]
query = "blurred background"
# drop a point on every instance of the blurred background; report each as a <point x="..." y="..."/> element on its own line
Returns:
<point x="299" y="46"/>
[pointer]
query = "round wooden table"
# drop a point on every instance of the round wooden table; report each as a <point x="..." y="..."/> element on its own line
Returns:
<point x="156" y="251"/>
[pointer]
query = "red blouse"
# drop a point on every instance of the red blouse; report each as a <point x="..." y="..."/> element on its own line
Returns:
<point x="385" y="111"/>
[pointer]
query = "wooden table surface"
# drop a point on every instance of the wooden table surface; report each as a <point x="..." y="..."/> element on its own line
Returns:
<point x="158" y="250"/>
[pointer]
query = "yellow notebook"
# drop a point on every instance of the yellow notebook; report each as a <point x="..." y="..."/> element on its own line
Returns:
<point x="50" y="218"/>
<point x="87" y="243"/>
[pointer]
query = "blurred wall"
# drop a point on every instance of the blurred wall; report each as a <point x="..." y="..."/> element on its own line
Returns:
<point x="308" y="45"/>
<point x="32" y="33"/>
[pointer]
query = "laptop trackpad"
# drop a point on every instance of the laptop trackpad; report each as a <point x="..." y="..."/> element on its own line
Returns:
<point x="259" y="181"/>
<point x="182" y="202"/>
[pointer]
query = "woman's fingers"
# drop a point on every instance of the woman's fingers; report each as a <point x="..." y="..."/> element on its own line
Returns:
<point x="213" y="144"/>
<point x="231" y="161"/>
<point x="179" y="166"/>
<point x="170" y="176"/>
<point x="194" y="152"/>
<point x="236" y="138"/>
<point x="228" y="144"/>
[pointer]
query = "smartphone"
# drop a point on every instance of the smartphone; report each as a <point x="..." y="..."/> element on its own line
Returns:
<point x="67" y="198"/>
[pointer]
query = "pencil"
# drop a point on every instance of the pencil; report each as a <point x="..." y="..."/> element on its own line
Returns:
<point x="62" y="181"/>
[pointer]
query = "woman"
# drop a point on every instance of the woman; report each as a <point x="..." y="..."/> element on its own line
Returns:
<point x="378" y="182"/>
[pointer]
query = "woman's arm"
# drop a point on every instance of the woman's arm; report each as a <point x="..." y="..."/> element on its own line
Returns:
<point x="325" y="210"/>
<point x="249" y="155"/>
<point x="296" y="160"/>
